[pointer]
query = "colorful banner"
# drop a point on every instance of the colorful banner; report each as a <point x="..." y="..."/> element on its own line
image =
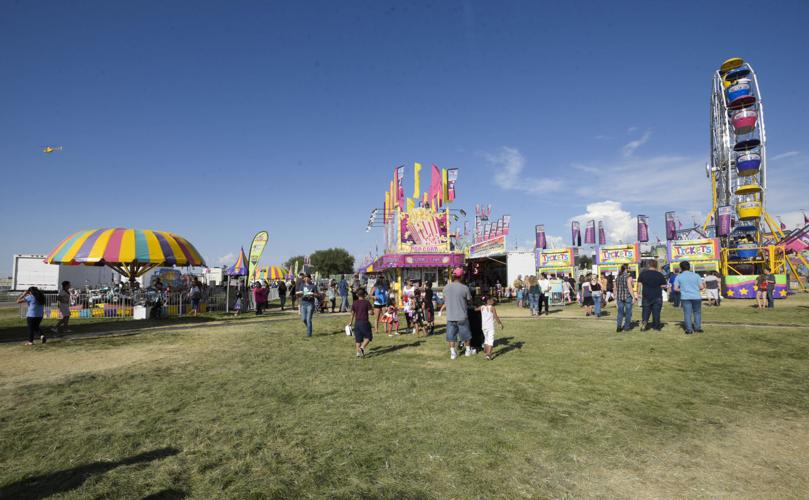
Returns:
<point x="394" y="260"/>
<point x="555" y="258"/>
<point x="452" y="178"/>
<point x="602" y="234"/>
<point x="590" y="233"/>
<point x="693" y="250"/>
<point x="256" y="249"/>
<point x="423" y="230"/>
<point x="400" y="197"/>
<point x="744" y="287"/>
<point x="541" y="240"/>
<point x="671" y="226"/>
<point x="494" y="246"/>
<point x="575" y="229"/>
<point x="618" y="254"/>
<point x="724" y="216"/>
<point x="506" y="224"/>
<point x="643" y="228"/>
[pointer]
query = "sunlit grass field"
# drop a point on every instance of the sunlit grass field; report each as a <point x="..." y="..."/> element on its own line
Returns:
<point x="568" y="408"/>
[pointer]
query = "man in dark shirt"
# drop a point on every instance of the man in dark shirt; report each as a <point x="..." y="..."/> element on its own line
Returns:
<point x="770" y="278"/>
<point x="429" y="308"/>
<point x="651" y="283"/>
<point x="360" y="311"/>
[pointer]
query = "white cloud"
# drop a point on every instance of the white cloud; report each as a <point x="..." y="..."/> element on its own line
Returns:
<point x="785" y="155"/>
<point x="226" y="259"/>
<point x="792" y="219"/>
<point x="659" y="181"/>
<point x="632" y="146"/>
<point x="509" y="164"/>
<point x="619" y="224"/>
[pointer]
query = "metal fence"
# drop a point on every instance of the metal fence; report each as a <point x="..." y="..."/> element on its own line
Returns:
<point x="142" y="303"/>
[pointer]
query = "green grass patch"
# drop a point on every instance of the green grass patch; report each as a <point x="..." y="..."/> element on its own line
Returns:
<point x="251" y="408"/>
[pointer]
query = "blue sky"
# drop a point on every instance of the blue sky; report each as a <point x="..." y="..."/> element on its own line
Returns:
<point x="214" y="120"/>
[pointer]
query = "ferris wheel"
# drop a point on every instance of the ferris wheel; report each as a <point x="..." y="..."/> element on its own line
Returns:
<point x="738" y="166"/>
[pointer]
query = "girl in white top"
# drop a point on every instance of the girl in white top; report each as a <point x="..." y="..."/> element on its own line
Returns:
<point x="488" y="316"/>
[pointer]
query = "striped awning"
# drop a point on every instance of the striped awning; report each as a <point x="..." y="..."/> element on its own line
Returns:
<point x="120" y="246"/>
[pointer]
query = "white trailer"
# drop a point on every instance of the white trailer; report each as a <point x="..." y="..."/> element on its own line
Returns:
<point x="31" y="270"/>
<point x="522" y="263"/>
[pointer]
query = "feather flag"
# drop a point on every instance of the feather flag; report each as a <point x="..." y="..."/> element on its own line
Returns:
<point x="435" y="187"/>
<point x="541" y="240"/>
<point x="671" y="227"/>
<point x="575" y="230"/>
<point x="452" y="178"/>
<point x="411" y="204"/>
<point x="643" y="228"/>
<point x="395" y="187"/>
<point x="590" y="233"/>
<point x="444" y="186"/>
<point x="602" y="234"/>
<point x="416" y="180"/>
<point x="400" y="197"/>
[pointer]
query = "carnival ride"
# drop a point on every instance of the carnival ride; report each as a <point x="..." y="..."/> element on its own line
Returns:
<point x="749" y="236"/>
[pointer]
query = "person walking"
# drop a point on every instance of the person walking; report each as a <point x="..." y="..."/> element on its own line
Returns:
<point x="488" y="315"/>
<point x="356" y="284"/>
<point x="342" y="287"/>
<point x="195" y="294"/>
<point x="36" y="310"/>
<point x="457" y="298"/>
<point x="429" y="307"/>
<point x="689" y="284"/>
<point x="770" y="279"/>
<point x="331" y="295"/>
<point x="650" y="286"/>
<point x="380" y="297"/>
<point x="674" y="295"/>
<point x="712" y="287"/>
<point x="282" y="293"/>
<point x="63" y="301"/>
<point x="519" y="286"/>
<point x="587" y="295"/>
<point x="597" y="294"/>
<point x="307" y="294"/>
<point x="544" y="294"/>
<point x="361" y="324"/>
<point x="624" y="298"/>
<point x="533" y="295"/>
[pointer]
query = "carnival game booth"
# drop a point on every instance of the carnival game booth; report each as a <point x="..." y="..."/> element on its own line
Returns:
<point x="398" y="268"/>
<point x="488" y="262"/>
<point x="610" y="258"/>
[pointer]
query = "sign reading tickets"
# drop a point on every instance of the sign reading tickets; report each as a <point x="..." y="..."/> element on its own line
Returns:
<point x="618" y="254"/>
<point x="489" y="247"/>
<point x="697" y="250"/>
<point x="555" y="258"/>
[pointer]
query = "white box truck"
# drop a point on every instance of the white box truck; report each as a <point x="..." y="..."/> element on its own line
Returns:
<point x="31" y="270"/>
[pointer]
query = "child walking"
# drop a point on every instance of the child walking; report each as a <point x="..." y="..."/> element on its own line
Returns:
<point x="488" y="315"/>
<point x="360" y="311"/>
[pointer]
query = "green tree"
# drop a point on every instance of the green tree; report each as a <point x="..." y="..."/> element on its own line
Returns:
<point x="290" y="264"/>
<point x="332" y="261"/>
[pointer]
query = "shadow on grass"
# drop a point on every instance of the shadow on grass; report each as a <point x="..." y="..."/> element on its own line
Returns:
<point x="507" y="346"/>
<point x="379" y="351"/>
<point x="110" y="325"/>
<point x="69" y="479"/>
<point x="167" y="494"/>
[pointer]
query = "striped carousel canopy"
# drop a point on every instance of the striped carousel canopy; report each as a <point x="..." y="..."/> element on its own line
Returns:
<point x="239" y="268"/>
<point x="133" y="250"/>
<point x="270" y="273"/>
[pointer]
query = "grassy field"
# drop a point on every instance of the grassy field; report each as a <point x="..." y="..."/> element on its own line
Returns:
<point x="568" y="408"/>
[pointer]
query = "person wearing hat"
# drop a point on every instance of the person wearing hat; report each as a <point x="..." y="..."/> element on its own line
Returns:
<point x="456" y="299"/>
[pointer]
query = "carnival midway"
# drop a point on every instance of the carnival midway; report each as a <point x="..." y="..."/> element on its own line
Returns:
<point x="740" y="252"/>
